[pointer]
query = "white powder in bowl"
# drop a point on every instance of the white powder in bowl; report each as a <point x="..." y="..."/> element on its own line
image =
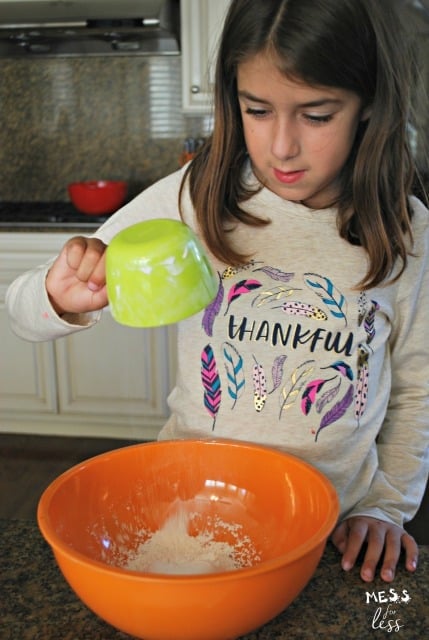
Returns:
<point x="172" y="550"/>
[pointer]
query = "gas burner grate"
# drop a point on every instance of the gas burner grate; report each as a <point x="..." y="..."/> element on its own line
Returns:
<point x="29" y="214"/>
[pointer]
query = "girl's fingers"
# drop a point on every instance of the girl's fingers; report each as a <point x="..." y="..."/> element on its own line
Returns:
<point x="384" y="544"/>
<point x="358" y="529"/>
<point x="390" y="538"/>
<point x="97" y="278"/>
<point x="340" y="536"/>
<point x="86" y="257"/>
<point x="411" y="551"/>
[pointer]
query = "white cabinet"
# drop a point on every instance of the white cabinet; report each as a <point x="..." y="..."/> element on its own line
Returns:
<point x="201" y="24"/>
<point x="109" y="381"/>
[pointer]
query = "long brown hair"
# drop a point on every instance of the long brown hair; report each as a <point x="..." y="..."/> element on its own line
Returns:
<point x="356" y="45"/>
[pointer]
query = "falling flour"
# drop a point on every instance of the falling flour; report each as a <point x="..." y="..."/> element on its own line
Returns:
<point x="172" y="550"/>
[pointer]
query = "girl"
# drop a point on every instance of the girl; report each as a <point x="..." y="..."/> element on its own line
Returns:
<point x="317" y="342"/>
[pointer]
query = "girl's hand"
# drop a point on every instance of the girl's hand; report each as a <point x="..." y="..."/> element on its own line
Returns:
<point x="384" y="541"/>
<point x="76" y="282"/>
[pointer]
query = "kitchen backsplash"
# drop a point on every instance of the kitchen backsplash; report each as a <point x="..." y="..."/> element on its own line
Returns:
<point x="67" y="119"/>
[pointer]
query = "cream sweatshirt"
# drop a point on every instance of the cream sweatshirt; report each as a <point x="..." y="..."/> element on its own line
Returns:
<point x="290" y="354"/>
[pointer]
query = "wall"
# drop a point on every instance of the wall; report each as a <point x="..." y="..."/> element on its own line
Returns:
<point x="66" y="119"/>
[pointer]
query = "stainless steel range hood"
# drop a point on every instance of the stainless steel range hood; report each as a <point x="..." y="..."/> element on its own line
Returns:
<point x="89" y="27"/>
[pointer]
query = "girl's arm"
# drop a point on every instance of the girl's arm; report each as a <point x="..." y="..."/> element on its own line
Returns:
<point x="48" y="303"/>
<point x="32" y="314"/>
<point x="403" y="442"/>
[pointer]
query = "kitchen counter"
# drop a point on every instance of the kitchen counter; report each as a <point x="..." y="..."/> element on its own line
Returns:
<point x="37" y="604"/>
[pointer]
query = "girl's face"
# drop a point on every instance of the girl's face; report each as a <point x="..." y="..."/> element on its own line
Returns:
<point x="298" y="136"/>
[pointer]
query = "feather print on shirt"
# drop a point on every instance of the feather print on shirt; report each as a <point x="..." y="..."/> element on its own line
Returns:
<point x="290" y="392"/>
<point x="367" y="312"/>
<point x="337" y="411"/>
<point x="303" y="309"/>
<point x="275" y="274"/>
<point x="259" y="386"/>
<point x="361" y="393"/>
<point x="211" y="383"/>
<point x="241" y="288"/>
<point x="327" y="397"/>
<point x="369" y="321"/>
<point x="272" y="295"/>
<point x="234" y="371"/>
<point x="277" y="372"/>
<point x="309" y="395"/>
<point x="229" y="272"/>
<point x="362" y="302"/>
<point x="342" y="367"/>
<point x="212" y="311"/>
<point x="333" y="299"/>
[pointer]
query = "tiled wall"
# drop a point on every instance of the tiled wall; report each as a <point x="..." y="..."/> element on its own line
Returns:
<point x="66" y="119"/>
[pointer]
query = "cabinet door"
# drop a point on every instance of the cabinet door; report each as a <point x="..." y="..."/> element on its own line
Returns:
<point x="201" y="24"/>
<point x="27" y="374"/>
<point x="27" y="370"/>
<point x="115" y="373"/>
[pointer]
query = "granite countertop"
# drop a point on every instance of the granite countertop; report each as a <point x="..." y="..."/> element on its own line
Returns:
<point x="37" y="604"/>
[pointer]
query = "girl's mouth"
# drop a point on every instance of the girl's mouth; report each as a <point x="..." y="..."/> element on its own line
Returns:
<point x="288" y="177"/>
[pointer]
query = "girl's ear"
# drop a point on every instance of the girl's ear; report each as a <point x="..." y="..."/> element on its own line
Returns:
<point x="366" y="113"/>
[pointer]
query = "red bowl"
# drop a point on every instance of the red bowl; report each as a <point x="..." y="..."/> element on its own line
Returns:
<point x="98" y="197"/>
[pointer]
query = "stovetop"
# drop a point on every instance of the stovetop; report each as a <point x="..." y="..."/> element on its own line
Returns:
<point x="45" y="214"/>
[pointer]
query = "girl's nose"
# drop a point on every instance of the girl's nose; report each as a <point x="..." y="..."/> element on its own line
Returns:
<point x="285" y="142"/>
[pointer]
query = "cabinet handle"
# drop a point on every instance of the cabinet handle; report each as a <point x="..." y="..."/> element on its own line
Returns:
<point x="195" y="88"/>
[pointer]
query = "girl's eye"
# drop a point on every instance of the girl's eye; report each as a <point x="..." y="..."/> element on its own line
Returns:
<point x="318" y="119"/>
<point x="256" y="113"/>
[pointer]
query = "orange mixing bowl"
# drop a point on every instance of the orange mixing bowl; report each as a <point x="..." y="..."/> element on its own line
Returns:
<point x="98" y="197"/>
<point x="93" y="513"/>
